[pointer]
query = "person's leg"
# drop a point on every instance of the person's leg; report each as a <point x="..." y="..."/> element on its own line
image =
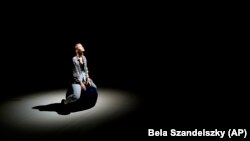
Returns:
<point x="69" y="91"/>
<point x="83" y="76"/>
<point x="76" y="89"/>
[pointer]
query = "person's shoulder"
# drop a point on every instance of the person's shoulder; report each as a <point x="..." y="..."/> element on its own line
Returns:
<point x="74" y="58"/>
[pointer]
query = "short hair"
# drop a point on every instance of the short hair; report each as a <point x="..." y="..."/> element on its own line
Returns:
<point x="77" y="44"/>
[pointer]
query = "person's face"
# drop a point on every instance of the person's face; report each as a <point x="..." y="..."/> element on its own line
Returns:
<point x="79" y="48"/>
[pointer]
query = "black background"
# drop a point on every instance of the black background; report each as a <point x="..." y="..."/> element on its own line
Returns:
<point x="185" y="65"/>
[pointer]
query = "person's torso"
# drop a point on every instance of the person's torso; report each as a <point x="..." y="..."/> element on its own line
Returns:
<point x="79" y="66"/>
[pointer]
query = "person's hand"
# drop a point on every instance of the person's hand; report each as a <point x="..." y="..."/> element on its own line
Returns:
<point x="89" y="81"/>
<point x="83" y="86"/>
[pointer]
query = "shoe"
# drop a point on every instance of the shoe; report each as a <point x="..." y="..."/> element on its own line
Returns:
<point x="63" y="102"/>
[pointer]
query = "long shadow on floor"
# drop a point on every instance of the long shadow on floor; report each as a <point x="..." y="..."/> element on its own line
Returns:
<point x="64" y="109"/>
<point x="87" y="100"/>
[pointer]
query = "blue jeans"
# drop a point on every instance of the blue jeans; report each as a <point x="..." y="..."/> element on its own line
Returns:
<point x="74" y="93"/>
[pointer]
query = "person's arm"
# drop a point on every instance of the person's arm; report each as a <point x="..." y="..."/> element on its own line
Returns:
<point x="88" y="80"/>
<point x="75" y="71"/>
<point x="86" y="67"/>
<point x="76" y="75"/>
<point x="82" y="85"/>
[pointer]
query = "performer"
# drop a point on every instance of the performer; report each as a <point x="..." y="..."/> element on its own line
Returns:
<point x="80" y="76"/>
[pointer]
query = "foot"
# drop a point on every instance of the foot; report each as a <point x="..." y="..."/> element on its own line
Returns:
<point x="63" y="102"/>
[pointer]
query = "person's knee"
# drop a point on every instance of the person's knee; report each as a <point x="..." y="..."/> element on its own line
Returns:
<point x="77" y="96"/>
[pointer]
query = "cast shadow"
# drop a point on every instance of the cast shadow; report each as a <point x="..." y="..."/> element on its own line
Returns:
<point x="62" y="109"/>
<point x="87" y="100"/>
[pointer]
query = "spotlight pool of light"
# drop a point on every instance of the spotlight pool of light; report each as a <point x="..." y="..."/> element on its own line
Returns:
<point x="17" y="115"/>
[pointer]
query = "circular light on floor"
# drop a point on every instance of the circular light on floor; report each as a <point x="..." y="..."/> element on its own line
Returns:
<point x="18" y="115"/>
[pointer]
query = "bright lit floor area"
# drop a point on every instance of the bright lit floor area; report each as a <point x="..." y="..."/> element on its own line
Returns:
<point x="19" y="117"/>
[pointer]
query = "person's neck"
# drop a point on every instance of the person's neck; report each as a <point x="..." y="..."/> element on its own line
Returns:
<point x="79" y="55"/>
